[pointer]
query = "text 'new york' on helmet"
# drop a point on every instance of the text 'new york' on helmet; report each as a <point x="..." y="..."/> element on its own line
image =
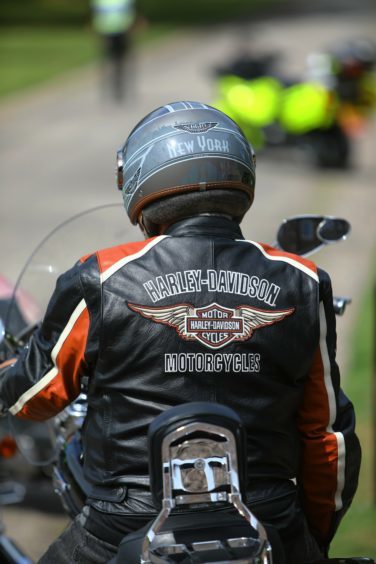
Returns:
<point x="179" y="148"/>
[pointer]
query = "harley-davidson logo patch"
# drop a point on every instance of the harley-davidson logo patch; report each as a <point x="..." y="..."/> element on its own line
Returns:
<point x="213" y="325"/>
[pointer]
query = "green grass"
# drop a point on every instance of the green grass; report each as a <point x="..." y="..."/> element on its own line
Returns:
<point x="30" y="56"/>
<point x="204" y="12"/>
<point x="356" y="535"/>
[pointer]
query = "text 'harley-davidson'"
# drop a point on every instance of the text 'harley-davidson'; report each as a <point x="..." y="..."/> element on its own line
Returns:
<point x="196" y="450"/>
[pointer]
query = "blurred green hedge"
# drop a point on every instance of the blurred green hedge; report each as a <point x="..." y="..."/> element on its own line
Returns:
<point x="44" y="12"/>
<point x="201" y="11"/>
<point x="179" y="12"/>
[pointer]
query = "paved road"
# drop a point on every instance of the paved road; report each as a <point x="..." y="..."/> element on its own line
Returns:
<point x="57" y="150"/>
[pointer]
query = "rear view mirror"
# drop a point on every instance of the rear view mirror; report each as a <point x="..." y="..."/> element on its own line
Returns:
<point x="333" y="229"/>
<point x="305" y="234"/>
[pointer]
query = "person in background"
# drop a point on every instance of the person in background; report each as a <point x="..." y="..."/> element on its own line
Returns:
<point x="113" y="21"/>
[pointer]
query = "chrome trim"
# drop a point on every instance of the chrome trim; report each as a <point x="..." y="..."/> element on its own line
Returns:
<point x="59" y="483"/>
<point x="201" y="471"/>
<point x="71" y="419"/>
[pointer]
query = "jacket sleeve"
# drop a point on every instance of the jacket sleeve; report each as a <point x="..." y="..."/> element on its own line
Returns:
<point x="47" y="374"/>
<point x="330" y="460"/>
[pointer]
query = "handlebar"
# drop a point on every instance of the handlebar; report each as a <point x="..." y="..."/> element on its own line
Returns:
<point x="340" y="303"/>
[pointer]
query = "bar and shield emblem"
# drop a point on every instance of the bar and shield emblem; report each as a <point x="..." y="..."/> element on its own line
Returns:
<point x="214" y="325"/>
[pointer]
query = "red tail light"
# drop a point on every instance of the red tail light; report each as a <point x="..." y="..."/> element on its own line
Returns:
<point x="8" y="447"/>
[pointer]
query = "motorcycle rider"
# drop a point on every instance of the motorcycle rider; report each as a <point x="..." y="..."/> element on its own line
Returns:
<point x="194" y="312"/>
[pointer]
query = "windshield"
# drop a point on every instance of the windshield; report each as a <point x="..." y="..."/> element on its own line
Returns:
<point x="82" y="234"/>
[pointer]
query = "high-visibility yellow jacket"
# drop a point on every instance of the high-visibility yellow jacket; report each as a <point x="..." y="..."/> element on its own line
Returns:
<point x="113" y="16"/>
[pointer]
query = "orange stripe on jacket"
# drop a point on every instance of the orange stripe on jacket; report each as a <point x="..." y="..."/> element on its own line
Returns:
<point x="319" y="463"/>
<point x="272" y="251"/>
<point x="65" y="386"/>
<point x="108" y="257"/>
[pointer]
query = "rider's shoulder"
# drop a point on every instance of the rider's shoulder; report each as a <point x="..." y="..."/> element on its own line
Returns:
<point x="273" y="254"/>
<point x="108" y="257"/>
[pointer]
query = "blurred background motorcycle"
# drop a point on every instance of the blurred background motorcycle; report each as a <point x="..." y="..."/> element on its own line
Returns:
<point x="318" y="115"/>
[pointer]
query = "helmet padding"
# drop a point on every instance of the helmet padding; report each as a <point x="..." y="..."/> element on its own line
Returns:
<point x="231" y="202"/>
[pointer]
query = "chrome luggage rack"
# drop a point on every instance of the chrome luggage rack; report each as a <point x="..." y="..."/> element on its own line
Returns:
<point x="200" y="474"/>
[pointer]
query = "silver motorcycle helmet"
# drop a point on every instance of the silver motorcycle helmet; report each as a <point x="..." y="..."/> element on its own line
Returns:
<point x="186" y="148"/>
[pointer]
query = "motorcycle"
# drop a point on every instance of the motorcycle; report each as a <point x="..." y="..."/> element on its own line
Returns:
<point x="276" y="112"/>
<point x="11" y="492"/>
<point x="318" y="115"/>
<point x="196" y="450"/>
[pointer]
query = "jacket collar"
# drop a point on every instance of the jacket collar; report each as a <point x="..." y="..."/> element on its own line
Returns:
<point x="216" y="226"/>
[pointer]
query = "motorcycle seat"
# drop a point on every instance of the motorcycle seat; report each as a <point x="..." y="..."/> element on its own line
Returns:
<point x="219" y="535"/>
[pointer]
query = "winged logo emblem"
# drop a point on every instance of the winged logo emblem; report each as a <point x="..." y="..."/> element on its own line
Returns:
<point x="196" y="127"/>
<point x="213" y="325"/>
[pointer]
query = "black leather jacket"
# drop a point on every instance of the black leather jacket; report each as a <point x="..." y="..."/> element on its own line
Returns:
<point x="197" y="314"/>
